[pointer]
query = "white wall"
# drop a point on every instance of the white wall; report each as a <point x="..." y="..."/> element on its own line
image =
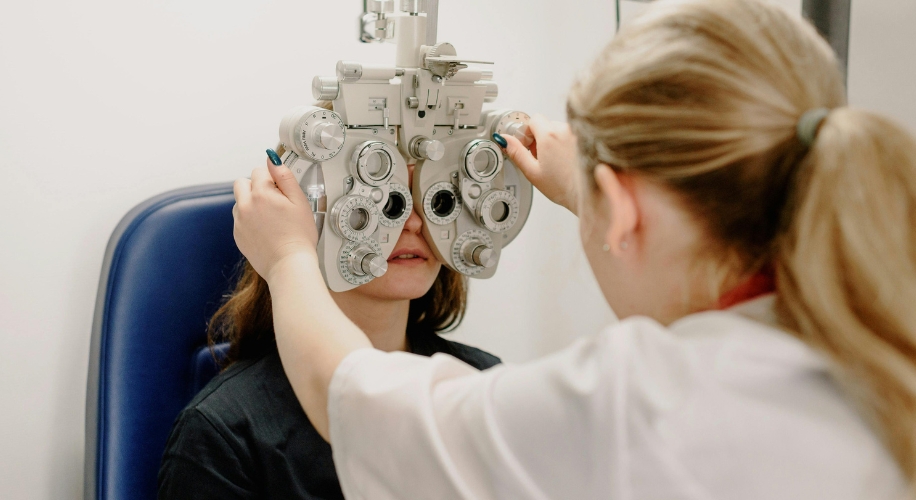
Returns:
<point x="632" y="8"/>
<point x="882" y="60"/>
<point x="105" y="103"/>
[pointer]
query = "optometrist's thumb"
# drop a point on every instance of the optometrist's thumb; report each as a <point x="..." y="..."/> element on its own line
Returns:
<point x="284" y="179"/>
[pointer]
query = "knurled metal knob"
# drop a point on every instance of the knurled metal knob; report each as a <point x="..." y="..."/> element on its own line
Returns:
<point x="413" y="6"/>
<point x="478" y="254"/>
<point x="349" y="71"/>
<point x="325" y="88"/>
<point x="492" y="92"/>
<point x="520" y="131"/>
<point x="364" y="261"/>
<point x="427" y="149"/>
<point x="328" y="135"/>
<point x="442" y="49"/>
<point x="380" y="6"/>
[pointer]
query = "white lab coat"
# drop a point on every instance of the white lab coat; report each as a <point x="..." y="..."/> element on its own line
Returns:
<point x="719" y="405"/>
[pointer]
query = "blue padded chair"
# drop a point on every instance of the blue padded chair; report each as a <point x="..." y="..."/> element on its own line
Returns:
<point x="167" y="266"/>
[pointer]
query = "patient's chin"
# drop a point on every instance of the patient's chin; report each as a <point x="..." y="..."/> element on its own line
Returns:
<point x="404" y="280"/>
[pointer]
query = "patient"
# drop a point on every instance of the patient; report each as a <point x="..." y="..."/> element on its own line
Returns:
<point x="245" y="435"/>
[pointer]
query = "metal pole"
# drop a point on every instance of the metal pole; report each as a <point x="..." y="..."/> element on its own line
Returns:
<point x="831" y="18"/>
<point x="432" y="21"/>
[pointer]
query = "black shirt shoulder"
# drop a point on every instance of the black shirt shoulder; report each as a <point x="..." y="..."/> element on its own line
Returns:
<point x="429" y="343"/>
<point x="249" y="438"/>
<point x="245" y="436"/>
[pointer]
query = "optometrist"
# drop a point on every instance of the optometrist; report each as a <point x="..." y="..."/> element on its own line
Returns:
<point x="756" y="237"/>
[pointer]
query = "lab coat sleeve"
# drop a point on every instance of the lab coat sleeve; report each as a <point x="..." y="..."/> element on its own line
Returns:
<point x="409" y="427"/>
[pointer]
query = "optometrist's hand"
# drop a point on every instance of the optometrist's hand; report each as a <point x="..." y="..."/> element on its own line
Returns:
<point x="273" y="219"/>
<point x="551" y="163"/>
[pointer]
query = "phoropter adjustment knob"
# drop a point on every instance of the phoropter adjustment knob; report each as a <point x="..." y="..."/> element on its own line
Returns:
<point x="364" y="261"/>
<point x="380" y="6"/>
<point x="442" y="49"/>
<point x="520" y="131"/>
<point x="325" y="88"/>
<point x="514" y="123"/>
<point x="328" y="135"/>
<point x="315" y="133"/>
<point x="413" y="6"/>
<point x="427" y="149"/>
<point x="476" y="253"/>
<point x="492" y="92"/>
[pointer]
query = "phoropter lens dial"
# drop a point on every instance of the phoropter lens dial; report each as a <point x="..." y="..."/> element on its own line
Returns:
<point x="473" y="252"/>
<point x="442" y="203"/>
<point x="364" y="261"/>
<point x="314" y="133"/>
<point x="398" y="207"/>
<point x="514" y="123"/>
<point x="354" y="217"/>
<point x="359" y="262"/>
<point x="374" y="162"/>
<point x="497" y="210"/>
<point x="426" y="149"/>
<point x="482" y="160"/>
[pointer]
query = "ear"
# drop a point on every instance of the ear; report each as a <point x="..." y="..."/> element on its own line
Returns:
<point x="622" y="204"/>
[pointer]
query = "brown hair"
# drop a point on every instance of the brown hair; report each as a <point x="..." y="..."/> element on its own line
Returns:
<point x="703" y="97"/>
<point x="246" y="319"/>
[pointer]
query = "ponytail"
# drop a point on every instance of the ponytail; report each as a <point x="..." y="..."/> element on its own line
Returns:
<point x="704" y="97"/>
<point x="846" y="266"/>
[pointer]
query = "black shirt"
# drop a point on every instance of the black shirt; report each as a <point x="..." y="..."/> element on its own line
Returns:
<point x="246" y="436"/>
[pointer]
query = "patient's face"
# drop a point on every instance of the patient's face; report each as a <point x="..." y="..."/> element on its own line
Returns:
<point x="412" y="266"/>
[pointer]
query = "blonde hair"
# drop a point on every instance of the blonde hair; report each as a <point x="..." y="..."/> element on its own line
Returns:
<point x="703" y="97"/>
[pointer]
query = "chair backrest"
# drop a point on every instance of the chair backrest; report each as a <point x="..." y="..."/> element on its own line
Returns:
<point x="166" y="268"/>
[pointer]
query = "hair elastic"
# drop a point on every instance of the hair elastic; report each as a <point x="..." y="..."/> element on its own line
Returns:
<point x="808" y="125"/>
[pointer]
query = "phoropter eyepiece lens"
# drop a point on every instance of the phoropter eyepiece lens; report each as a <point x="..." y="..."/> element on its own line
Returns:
<point x="378" y="165"/>
<point x="443" y="203"/>
<point x="395" y="207"/>
<point x="500" y="211"/>
<point x="359" y="219"/>
<point x="485" y="163"/>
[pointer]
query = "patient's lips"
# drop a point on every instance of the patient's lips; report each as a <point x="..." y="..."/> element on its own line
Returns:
<point x="408" y="256"/>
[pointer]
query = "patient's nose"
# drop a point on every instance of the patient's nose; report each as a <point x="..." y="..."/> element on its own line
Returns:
<point x="414" y="223"/>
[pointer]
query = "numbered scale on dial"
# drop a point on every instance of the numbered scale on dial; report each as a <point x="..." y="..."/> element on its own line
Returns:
<point x="355" y="217"/>
<point x="473" y="252"/>
<point x="398" y="207"/>
<point x="497" y="210"/>
<point x="442" y="203"/>
<point x="359" y="262"/>
<point x="315" y="133"/>
<point x="515" y="123"/>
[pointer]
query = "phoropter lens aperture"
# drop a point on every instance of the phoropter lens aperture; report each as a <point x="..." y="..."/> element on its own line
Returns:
<point x="443" y="203"/>
<point x="500" y="211"/>
<point x="395" y="207"/>
<point x="359" y="219"/>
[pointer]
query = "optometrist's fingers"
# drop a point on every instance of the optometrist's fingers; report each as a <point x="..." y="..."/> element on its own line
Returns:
<point x="551" y="167"/>
<point x="260" y="179"/>
<point x="538" y="126"/>
<point x="241" y="188"/>
<point x="521" y="156"/>
<point x="284" y="179"/>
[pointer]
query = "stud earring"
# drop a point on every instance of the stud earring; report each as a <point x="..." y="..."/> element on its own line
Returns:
<point x="606" y="248"/>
